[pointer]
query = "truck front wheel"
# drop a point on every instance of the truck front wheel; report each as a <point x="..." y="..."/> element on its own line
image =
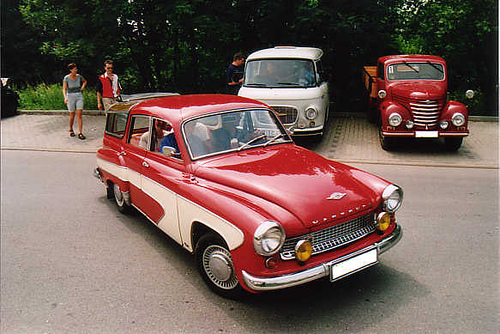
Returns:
<point x="453" y="144"/>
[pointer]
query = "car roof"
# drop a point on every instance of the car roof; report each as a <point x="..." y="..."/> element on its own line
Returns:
<point x="177" y="108"/>
<point x="287" y="52"/>
<point x="410" y="58"/>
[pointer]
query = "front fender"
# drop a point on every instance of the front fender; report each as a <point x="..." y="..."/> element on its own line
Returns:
<point x="453" y="107"/>
<point x="387" y="108"/>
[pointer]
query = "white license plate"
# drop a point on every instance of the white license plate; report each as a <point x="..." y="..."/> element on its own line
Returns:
<point x="352" y="265"/>
<point x="426" y="134"/>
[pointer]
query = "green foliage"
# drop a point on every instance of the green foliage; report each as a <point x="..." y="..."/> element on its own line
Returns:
<point x="186" y="46"/>
<point x="50" y="97"/>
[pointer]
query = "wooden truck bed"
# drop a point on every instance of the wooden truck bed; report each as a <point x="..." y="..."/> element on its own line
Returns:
<point x="369" y="74"/>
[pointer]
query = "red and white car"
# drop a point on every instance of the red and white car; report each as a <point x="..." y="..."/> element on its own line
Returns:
<point x="229" y="185"/>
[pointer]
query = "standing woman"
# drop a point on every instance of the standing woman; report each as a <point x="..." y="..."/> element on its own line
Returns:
<point x="73" y="85"/>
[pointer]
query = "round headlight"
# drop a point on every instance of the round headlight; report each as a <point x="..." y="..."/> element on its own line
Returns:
<point x="393" y="197"/>
<point x="458" y="119"/>
<point x="303" y="250"/>
<point x="382" y="93"/>
<point x="311" y="113"/>
<point x="395" y="119"/>
<point x="469" y="94"/>
<point x="268" y="238"/>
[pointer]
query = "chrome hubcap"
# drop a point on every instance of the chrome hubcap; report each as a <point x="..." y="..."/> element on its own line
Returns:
<point x="218" y="266"/>
<point x="118" y="195"/>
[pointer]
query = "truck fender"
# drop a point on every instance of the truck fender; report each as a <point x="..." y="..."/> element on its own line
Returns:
<point x="453" y="107"/>
<point x="388" y="107"/>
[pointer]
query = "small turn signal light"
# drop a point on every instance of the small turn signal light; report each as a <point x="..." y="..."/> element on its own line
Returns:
<point x="303" y="250"/>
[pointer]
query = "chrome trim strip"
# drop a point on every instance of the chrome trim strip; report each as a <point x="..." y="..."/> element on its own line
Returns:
<point x="285" y="281"/>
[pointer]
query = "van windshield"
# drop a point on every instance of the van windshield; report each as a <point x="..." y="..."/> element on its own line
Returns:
<point x="415" y="71"/>
<point x="279" y="73"/>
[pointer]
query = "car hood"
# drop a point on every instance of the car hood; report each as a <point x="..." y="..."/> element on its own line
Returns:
<point x="314" y="189"/>
<point x="420" y="90"/>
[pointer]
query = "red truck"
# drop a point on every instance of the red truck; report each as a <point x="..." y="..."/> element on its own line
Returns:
<point x="408" y="98"/>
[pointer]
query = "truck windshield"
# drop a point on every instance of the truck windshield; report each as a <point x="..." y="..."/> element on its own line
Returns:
<point x="280" y="73"/>
<point x="415" y="71"/>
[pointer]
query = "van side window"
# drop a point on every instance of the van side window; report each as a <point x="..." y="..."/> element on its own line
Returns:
<point x="116" y="124"/>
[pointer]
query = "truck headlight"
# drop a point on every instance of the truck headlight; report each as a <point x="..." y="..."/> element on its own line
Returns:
<point x="268" y="238"/>
<point x="469" y="94"/>
<point x="393" y="197"/>
<point x="311" y="113"/>
<point x="458" y="119"/>
<point x="395" y="119"/>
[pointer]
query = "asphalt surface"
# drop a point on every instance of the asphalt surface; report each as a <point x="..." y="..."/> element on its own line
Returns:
<point x="348" y="139"/>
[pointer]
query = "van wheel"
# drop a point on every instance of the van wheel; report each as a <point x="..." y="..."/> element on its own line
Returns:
<point x="216" y="266"/>
<point x="453" y="144"/>
<point x="123" y="207"/>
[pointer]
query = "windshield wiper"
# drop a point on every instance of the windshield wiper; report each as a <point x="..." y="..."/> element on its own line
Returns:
<point x="288" y="83"/>
<point x="435" y="66"/>
<point x="251" y="141"/>
<point x="413" y="68"/>
<point x="256" y="84"/>
<point x="274" y="139"/>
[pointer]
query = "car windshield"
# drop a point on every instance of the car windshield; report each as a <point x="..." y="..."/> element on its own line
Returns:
<point x="415" y="71"/>
<point x="280" y="73"/>
<point x="233" y="131"/>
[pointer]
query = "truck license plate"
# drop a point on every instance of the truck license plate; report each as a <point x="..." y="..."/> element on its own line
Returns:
<point x="426" y="134"/>
<point x="352" y="265"/>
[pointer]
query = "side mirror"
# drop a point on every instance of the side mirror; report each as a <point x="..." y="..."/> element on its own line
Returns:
<point x="168" y="151"/>
<point x="469" y="94"/>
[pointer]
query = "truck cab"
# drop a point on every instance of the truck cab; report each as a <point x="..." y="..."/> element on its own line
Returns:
<point x="408" y="97"/>
<point x="290" y="80"/>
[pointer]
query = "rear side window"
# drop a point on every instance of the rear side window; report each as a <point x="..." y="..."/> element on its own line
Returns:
<point x="116" y="124"/>
<point x="139" y="131"/>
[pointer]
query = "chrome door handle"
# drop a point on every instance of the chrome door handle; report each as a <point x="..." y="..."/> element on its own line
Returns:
<point x="145" y="164"/>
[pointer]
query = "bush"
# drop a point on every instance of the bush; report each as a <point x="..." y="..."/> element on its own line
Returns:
<point x="50" y="97"/>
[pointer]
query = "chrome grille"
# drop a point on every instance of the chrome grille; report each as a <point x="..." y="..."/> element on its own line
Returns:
<point x="425" y="112"/>
<point x="287" y="115"/>
<point x="331" y="237"/>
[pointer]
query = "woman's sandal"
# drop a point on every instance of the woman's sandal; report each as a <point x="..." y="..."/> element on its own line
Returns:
<point x="81" y="136"/>
<point x="71" y="133"/>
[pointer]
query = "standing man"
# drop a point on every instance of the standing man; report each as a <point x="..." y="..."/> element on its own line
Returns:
<point x="108" y="87"/>
<point x="234" y="74"/>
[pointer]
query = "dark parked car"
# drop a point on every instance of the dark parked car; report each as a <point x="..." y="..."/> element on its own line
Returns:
<point x="10" y="99"/>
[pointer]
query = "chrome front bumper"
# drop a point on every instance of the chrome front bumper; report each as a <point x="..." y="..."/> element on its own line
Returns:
<point x="322" y="270"/>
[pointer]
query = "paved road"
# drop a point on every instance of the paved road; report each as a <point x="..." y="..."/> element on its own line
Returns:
<point x="348" y="139"/>
<point x="72" y="264"/>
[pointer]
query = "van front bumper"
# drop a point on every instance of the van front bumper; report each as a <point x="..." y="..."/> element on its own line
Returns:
<point x="285" y="281"/>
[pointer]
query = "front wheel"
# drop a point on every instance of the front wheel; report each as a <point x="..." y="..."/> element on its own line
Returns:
<point x="453" y="144"/>
<point x="216" y="266"/>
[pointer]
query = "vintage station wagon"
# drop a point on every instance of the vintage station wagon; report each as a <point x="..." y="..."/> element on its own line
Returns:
<point x="221" y="176"/>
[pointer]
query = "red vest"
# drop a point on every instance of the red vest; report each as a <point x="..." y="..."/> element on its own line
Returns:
<point x="107" y="87"/>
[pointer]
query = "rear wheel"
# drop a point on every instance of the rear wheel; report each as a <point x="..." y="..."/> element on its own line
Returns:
<point x="123" y="207"/>
<point x="216" y="266"/>
<point x="453" y="144"/>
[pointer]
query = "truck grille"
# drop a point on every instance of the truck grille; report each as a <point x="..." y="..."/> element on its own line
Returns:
<point x="425" y="112"/>
<point x="331" y="237"/>
<point x="287" y="115"/>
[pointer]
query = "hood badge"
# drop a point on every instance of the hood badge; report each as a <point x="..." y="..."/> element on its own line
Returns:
<point x="337" y="196"/>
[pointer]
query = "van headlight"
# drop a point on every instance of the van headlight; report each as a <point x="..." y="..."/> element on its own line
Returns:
<point x="311" y="113"/>
<point x="393" y="197"/>
<point x="395" y="119"/>
<point x="268" y="238"/>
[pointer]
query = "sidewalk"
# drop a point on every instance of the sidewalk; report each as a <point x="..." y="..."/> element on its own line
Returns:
<point x="348" y="139"/>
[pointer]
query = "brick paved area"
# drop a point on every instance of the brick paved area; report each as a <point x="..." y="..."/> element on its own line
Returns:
<point x="348" y="139"/>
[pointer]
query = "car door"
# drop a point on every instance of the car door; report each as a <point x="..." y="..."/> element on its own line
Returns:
<point x="134" y="153"/>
